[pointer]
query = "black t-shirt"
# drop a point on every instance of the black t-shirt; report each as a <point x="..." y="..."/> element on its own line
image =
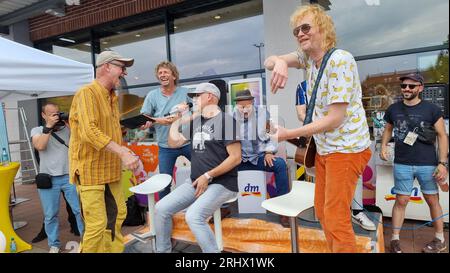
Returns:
<point x="209" y="139"/>
<point x="405" y="119"/>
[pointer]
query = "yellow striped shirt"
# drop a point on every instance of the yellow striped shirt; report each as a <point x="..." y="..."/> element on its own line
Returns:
<point x="94" y="122"/>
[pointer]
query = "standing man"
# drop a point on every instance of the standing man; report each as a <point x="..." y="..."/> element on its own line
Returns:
<point x="54" y="161"/>
<point x="258" y="150"/>
<point x="159" y="104"/>
<point x="216" y="155"/>
<point x="96" y="156"/>
<point x="338" y="124"/>
<point x="415" y="157"/>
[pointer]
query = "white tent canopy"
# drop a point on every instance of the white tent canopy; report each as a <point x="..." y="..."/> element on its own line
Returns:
<point x="26" y="72"/>
<point x="25" y="69"/>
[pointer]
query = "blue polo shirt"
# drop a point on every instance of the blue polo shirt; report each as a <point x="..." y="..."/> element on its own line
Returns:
<point x="157" y="105"/>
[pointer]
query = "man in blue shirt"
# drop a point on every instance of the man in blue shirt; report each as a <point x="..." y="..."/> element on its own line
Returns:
<point x="159" y="104"/>
<point x="258" y="151"/>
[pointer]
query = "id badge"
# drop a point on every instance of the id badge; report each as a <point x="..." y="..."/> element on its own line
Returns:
<point x="410" y="138"/>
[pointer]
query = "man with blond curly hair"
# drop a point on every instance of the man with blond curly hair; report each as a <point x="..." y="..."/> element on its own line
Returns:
<point x="338" y="121"/>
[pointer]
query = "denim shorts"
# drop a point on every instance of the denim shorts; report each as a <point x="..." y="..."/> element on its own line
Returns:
<point x="404" y="178"/>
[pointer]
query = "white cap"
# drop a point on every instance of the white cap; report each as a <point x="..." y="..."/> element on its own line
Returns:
<point x="109" y="56"/>
<point x="206" y="87"/>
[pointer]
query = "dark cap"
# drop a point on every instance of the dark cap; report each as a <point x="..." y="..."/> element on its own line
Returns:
<point x="243" y="95"/>
<point x="413" y="76"/>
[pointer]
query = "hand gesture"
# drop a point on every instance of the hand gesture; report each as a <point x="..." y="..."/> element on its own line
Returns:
<point x="129" y="159"/>
<point x="200" y="185"/>
<point x="279" y="75"/>
<point x="280" y="134"/>
<point x="268" y="160"/>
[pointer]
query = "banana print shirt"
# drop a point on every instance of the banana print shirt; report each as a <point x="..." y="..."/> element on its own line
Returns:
<point x="339" y="84"/>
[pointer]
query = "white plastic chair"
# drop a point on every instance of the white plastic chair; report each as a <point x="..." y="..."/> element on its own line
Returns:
<point x="300" y="198"/>
<point x="152" y="185"/>
<point x="218" y="224"/>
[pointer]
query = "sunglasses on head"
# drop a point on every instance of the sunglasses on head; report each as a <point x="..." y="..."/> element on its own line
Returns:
<point x="410" y="86"/>
<point x="305" y="28"/>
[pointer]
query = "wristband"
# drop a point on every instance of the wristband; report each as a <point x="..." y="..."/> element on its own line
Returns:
<point x="443" y="163"/>
<point x="47" y="130"/>
<point x="209" y="177"/>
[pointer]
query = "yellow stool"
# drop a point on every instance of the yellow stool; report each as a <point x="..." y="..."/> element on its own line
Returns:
<point x="7" y="174"/>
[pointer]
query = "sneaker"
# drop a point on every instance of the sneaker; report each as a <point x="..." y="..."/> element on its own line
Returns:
<point x="364" y="221"/>
<point x="395" y="246"/>
<point x="435" y="246"/>
<point x="54" y="249"/>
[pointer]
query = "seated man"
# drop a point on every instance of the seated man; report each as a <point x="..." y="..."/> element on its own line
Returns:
<point x="257" y="148"/>
<point x="214" y="159"/>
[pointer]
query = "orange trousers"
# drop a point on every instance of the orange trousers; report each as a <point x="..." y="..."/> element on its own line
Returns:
<point x="336" y="178"/>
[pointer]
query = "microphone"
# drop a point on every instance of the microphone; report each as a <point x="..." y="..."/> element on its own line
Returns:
<point x="175" y="110"/>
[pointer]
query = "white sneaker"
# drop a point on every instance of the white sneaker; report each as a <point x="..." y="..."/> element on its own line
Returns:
<point x="54" y="249"/>
<point x="364" y="221"/>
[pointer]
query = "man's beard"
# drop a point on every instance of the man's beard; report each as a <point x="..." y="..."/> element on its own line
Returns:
<point x="411" y="97"/>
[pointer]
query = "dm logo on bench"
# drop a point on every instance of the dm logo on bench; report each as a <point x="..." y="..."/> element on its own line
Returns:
<point x="251" y="190"/>
<point x="415" y="198"/>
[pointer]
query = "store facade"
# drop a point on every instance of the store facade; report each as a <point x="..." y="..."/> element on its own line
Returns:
<point x="229" y="40"/>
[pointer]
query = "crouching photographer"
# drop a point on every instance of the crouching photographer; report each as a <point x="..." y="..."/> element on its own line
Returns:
<point x="53" y="178"/>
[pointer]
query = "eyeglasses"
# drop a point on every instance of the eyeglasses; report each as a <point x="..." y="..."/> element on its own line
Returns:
<point x="305" y="28"/>
<point x="123" y="67"/>
<point x="410" y="86"/>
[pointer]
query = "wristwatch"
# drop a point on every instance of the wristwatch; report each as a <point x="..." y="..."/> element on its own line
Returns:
<point x="209" y="177"/>
<point x="443" y="163"/>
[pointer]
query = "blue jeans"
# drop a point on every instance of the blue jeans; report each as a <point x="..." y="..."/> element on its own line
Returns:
<point x="167" y="158"/>
<point x="50" y="204"/>
<point x="279" y="169"/>
<point x="404" y="177"/>
<point x="196" y="215"/>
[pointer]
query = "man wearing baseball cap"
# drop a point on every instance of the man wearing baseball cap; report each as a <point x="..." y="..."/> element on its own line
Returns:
<point x="96" y="156"/>
<point x="215" y="155"/>
<point x="415" y="157"/>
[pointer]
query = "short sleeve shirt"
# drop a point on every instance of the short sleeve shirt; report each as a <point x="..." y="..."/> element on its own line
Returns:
<point x="405" y="119"/>
<point x="54" y="160"/>
<point x="158" y="105"/>
<point x="339" y="84"/>
<point x="209" y="141"/>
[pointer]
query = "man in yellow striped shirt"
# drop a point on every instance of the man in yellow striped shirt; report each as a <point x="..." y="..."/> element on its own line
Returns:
<point x="95" y="155"/>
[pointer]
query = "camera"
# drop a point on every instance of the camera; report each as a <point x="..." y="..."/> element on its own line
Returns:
<point x="62" y="117"/>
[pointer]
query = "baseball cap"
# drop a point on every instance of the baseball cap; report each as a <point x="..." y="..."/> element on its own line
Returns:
<point x="413" y="76"/>
<point x="243" y="95"/>
<point x="205" y="87"/>
<point x="109" y="56"/>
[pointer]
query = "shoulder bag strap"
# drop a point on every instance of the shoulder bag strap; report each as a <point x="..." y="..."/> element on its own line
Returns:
<point x="60" y="140"/>
<point x="311" y="104"/>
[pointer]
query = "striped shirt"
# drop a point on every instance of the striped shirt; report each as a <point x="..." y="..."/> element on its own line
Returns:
<point x="94" y="122"/>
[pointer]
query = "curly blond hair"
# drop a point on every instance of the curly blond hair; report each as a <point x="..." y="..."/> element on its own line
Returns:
<point x="321" y="19"/>
<point x="171" y="67"/>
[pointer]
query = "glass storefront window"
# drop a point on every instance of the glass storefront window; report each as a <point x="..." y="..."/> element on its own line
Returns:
<point x="220" y="41"/>
<point x="147" y="47"/>
<point x="380" y="77"/>
<point x="367" y="27"/>
<point x="78" y="52"/>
